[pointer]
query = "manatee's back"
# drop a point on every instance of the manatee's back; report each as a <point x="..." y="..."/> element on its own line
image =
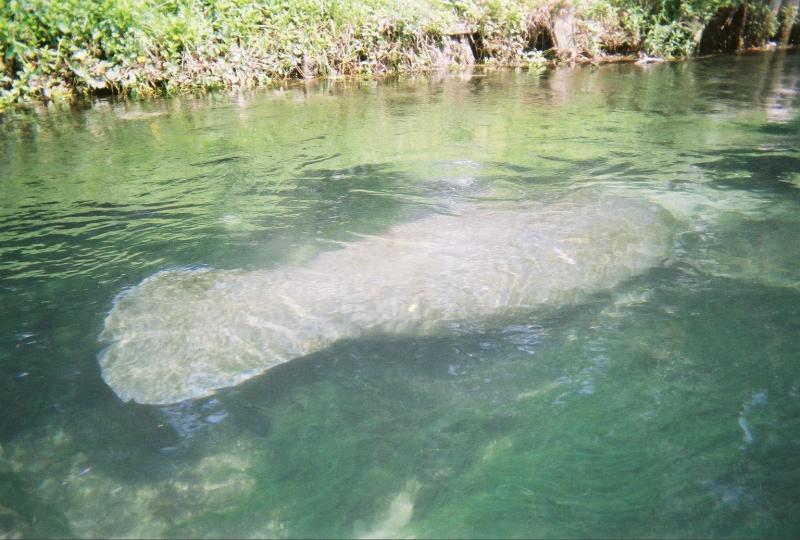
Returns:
<point x="182" y="334"/>
<point x="481" y="261"/>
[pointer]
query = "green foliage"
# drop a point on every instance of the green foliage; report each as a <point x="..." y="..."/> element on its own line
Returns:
<point x="52" y="49"/>
<point x="762" y="24"/>
<point x="670" y="40"/>
<point x="672" y="28"/>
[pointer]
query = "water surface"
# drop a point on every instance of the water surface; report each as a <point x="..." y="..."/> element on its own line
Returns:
<point x="666" y="406"/>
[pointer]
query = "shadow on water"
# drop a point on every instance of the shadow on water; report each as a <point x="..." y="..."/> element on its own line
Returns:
<point x="768" y="170"/>
<point x="219" y="161"/>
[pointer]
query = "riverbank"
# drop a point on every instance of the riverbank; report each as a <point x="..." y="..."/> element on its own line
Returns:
<point x="55" y="51"/>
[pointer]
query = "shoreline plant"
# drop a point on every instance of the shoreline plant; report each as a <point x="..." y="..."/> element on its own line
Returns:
<point x="55" y="50"/>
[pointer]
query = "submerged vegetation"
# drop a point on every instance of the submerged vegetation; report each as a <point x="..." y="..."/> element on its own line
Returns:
<point x="56" y="49"/>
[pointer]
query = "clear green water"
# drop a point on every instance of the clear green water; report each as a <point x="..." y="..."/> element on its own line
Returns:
<point x="666" y="407"/>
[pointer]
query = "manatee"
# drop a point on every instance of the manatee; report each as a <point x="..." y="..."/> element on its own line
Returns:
<point x="185" y="333"/>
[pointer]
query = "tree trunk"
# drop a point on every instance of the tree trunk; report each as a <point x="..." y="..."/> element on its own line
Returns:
<point x="564" y="32"/>
<point x="725" y="31"/>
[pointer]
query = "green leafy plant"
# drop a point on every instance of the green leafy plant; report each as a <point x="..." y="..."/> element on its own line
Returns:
<point x="55" y="49"/>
